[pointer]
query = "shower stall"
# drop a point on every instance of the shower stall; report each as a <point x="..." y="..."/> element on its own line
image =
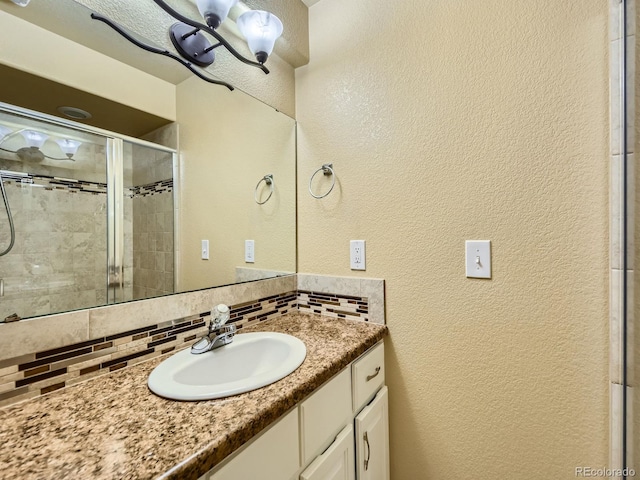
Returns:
<point x="92" y="214"/>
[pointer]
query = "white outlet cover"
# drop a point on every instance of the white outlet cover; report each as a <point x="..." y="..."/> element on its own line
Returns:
<point x="249" y="251"/>
<point x="357" y="255"/>
<point x="478" y="258"/>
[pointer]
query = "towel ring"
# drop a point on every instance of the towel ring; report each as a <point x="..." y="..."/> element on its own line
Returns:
<point x="268" y="179"/>
<point x="326" y="169"/>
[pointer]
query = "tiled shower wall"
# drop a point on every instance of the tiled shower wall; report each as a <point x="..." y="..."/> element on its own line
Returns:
<point x="59" y="259"/>
<point x="109" y="338"/>
<point x="153" y="222"/>
<point x="153" y="259"/>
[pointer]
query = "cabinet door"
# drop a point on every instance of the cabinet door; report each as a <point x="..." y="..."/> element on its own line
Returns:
<point x="324" y="415"/>
<point x="274" y="455"/>
<point x="372" y="439"/>
<point x="336" y="463"/>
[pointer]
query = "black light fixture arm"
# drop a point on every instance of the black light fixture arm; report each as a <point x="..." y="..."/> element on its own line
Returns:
<point x="45" y="156"/>
<point x="205" y="28"/>
<point x="196" y="30"/>
<point x="158" y="51"/>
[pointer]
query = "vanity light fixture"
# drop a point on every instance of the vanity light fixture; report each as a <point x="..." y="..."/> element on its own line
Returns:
<point x="69" y="147"/>
<point x="4" y="131"/>
<point x="35" y="140"/>
<point x="261" y="30"/>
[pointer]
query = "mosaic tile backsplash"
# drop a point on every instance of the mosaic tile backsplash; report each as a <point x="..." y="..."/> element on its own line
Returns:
<point x="39" y="373"/>
<point x="42" y="372"/>
<point x="333" y="305"/>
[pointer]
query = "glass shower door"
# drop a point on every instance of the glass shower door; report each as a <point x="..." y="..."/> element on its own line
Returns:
<point x="58" y="205"/>
<point x="148" y="212"/>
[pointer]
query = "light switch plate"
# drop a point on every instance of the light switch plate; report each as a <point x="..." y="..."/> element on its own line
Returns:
<point x="249" y="251"/>
<point x="478" y="258"/>
<point x="204" y="247"/>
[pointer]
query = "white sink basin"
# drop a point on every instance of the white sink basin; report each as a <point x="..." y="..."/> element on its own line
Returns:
<point x="252" y="361"/>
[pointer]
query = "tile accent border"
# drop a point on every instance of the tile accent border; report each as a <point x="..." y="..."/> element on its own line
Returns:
<point x="345" y="289"/>
<point x="55" y="183"/>
<point x="334" y="305"/>
<point x="160" y="186"/>
<point x="82" y="186"/>
<point x="54" y="331"/>
<point x="45" y="354"/>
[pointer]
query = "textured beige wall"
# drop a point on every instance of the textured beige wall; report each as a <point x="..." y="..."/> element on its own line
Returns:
<point x="228" y="142"/>
<point x="453" y="120"/>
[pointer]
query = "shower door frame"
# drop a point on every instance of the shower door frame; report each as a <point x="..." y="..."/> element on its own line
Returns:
<point x="622" y="199"/>
<point x="114" y="158"/>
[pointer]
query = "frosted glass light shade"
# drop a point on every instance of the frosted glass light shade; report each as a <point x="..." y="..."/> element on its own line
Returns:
<point x="215" y="11"/>
<point x="4" y="131"/>
<point x="69" y="147"/>
<point x="261" y="29"/>
<point x="21" y="3"/>
<point x="33" y="138"/>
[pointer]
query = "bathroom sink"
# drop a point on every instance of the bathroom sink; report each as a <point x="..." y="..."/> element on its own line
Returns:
<point x="252" y="361"/>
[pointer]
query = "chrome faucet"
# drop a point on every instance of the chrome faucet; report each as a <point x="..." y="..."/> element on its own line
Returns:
<point x="219" y="333"/>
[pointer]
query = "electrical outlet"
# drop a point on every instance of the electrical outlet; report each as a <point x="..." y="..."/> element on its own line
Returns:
<point x="204" y="248"/>
<point x="358" y="256"/>
<point x="249" y="251"/>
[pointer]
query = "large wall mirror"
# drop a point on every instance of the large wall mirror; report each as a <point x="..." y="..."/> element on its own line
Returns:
<point x="221" y="175"/>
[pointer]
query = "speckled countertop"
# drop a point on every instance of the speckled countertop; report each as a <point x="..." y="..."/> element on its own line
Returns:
<point x="113" y="427"/>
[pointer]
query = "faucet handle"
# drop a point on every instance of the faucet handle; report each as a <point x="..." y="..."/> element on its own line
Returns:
<point x="219" y="316"/>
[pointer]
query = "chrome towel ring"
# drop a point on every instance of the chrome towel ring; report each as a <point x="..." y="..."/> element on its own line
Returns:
<point x="268" y="180"/>
<point x="326" y="169"/>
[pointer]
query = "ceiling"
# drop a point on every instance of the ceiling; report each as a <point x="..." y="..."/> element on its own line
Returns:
<point x="72" y="20"/>
<point x="36" y="93"/>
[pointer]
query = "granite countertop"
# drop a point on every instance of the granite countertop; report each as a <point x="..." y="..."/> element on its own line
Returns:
<point x="113" y="427"/>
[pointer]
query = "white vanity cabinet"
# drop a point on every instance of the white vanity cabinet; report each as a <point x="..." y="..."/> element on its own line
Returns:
<point x="341" y="432"/>
<point x="370" y="407"/>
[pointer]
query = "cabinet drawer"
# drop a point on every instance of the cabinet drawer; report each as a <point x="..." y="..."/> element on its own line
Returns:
<point x="336" y="463"/>
<point x="368" y="376"/>
<point x="323" y="415"/>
